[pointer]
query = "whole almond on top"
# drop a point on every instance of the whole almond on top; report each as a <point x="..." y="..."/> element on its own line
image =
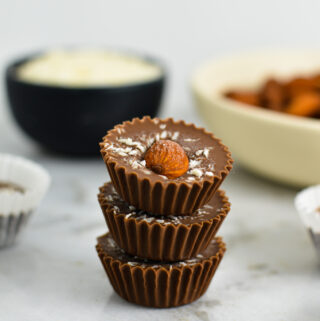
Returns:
<point x="167" y="158"/>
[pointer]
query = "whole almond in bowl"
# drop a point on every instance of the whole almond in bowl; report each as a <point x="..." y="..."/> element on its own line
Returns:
<point x="274" y="144"/>
<point x="165" y="167"/>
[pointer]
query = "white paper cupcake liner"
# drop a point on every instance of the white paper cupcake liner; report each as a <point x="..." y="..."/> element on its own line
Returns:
<point x="307" y="203"/>
<point x="11" y="228"/>
<point x="16" y="208"/>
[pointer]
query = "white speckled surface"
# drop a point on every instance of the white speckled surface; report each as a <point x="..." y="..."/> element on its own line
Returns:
<point x="269" y="272"/>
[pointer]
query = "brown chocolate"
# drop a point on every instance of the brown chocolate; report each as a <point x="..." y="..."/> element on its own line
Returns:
<point x="8" y="186"/>
<point x="123" y="150"/>
<point x="161" y="238"/>
<point x="160" y="285"/>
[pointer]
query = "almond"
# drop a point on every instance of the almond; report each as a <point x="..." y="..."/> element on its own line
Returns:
<point x="245" y="97"/>
<point x="306" y="104"/>
<point x="167" y="158"/>
<point x="273" y="95"/>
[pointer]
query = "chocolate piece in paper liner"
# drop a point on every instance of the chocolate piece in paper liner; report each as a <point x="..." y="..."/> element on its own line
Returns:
<point x="123" y="150"/>
<point x="23" y="184"/>
<point x="307" y="203"/>
<point x="161" y="238"/>
<point x="315" y="237"/>
<point x="11" y="227"/>
<point x="159" y="285"/>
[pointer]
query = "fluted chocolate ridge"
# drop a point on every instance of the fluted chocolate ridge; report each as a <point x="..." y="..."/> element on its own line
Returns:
<point x="160" y="285"/>
<point x="155" y="193"/>
<point x="163" y="238"/>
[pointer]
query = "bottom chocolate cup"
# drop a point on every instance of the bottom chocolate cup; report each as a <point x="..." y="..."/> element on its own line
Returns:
<point x="159" y="285"/>
<point x="161" y="238"/>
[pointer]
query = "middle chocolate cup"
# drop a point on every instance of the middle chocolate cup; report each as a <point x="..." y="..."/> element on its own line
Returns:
<point x="161" y="238"/>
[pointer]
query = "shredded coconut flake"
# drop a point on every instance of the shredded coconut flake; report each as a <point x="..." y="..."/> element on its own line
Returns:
<point x="206" y="152"/>
<point x="196" y="172"/>
<point x="141" y="148"/>
<point x="193" y="163"/>
<point x="109" y="198"/>
<point x="107" y="146"/>
<point x="148" y="219"/>
<point x="134" y="164"/>
<point x="175" y="135"/>
<point x="208" y="174"/>
<point x="133" y="152"/>
<point x="150" y="141"/>
<point x="163" y="126"/>
<point x="128" y="141"/>
<point x="164" y="134"/>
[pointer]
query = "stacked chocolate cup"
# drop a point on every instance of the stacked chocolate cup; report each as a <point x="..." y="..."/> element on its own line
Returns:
<point x="161" y="250"/>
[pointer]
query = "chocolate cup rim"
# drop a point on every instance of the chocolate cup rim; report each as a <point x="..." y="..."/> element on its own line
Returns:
<point x="224" y="211"/>
<point x="218" y="255"/>
<point x="188" y="238"/>
<point x="130" y="171"/>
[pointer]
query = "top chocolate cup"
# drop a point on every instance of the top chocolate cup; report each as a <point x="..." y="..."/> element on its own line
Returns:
<point x="123" y="150"/>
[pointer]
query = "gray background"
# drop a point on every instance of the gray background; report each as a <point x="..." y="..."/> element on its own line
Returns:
<point x="270" y="270"/>
<point x="182" y="33"/>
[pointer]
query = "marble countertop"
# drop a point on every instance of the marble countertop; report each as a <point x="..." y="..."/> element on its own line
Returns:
<point x="270" y="270"/>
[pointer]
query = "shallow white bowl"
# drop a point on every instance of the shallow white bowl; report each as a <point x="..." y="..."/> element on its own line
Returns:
<point x="281" y="147"/>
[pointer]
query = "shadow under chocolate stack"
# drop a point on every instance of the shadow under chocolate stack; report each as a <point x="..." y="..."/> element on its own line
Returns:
<point x="163" y="210"/>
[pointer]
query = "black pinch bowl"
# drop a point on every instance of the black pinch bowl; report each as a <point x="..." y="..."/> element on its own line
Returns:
<point x="73" y="120"/>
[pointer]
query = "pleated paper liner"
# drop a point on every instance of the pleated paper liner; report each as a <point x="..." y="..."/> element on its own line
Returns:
<point x="11" y="227"/>
<point x="22" y="186"/>
<point x="307" y="204"/>
<point x="161" y="238"/>
<point x="159" y="285"/>
<point x="123" y="150"/>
